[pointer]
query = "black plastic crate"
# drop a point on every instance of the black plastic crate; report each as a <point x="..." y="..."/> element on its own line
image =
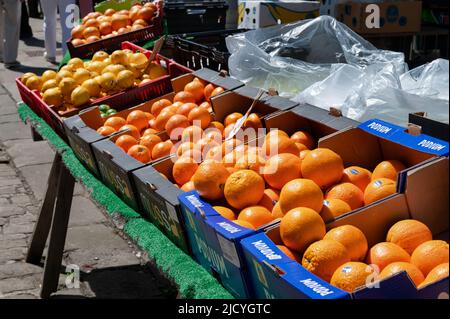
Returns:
<point x="195" y="15"/>
<point x="201" y="49"/>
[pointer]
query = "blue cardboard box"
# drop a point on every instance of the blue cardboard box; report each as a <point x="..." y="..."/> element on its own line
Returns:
<point x="214" y="243"/>
<point x="273" y="275"/>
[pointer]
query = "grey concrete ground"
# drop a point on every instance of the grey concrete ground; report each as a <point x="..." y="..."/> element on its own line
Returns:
<point x="111" y="267"/>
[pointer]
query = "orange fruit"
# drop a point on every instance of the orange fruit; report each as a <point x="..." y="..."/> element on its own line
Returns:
<point x="209" y="179"/>
<point x="301" y="192"/>
<point x="304" y="138"/>
<point x="276" y="211"/>
<point x="149" y="116"/>
<point x="251" y="160"/>
<point x="290" y="253"/>
<point x="384" y="253"/>
<point x="347" y="192"/>
<point x="232" y="118"/>
<point x="229" y="145"/>
<point x="159" y="105"/>
<point x="244" y="223"/>
<point x="358" y="176"/>
<point x="105" y="28"/>
<point x="149" y="141"/>
<point x="352" y="238"/>
<point x="253" y="121"/>
<point x="275" y="133"/>
<point x="256" y="215"/>
<point x="281" y="169"/>
<point x="146" y="13"/>
<point x="115" y="122"/>
<point x="409" y="234"/>
<point x="192" y="134"/>
<point x="184" y="147"/>
<point x="132" y="130"/>
<point x="230" y="159"/>
<point x="216" y="91"/>
<point x="77" y="32"/>
<point x="109" y="12"/>
<point x="184" y="97"/>
<point x="217" y="125"/>
<point x="206" y="105"/>
<point x="138" y="119"/>
<point x="430" y="254"/>
<point x="333" y="208"/>
<point x="352" y="275"/>
<point x="175" y="126"/>
<point x="394" y="268"/>
<point x="125" y="142"/>
<point x="323" y="257"/>
<point x="300" y="227"/>
<point x="105" y="130"/>
<point x="119" y="21"/>
<point x="185" y="108"/>
<point x="189" y="186"/>
<point x="303" y="154"/>
<point x="388" y="169"/>
<point x="196" y="88"/>
<point x="225" y="212"/>
<point x="269" y="198"/>
<point x="149" y="131"/>
<point x="323" y="166"/>
<point x="278" y="144"/>
<point x="162" y="119"/>
<point x="162" y="149"/>
<point x="209" y="88"/>
<point x="140" y="153"/>
<point x="301" y="147"/>
<point x="379" y="188"/>
<point x="183" y="170"/>
<point x="91" y="32"/>
<point x="199" y="117"/>
<point x="437" y="273"/>
<point x="244" y="188"/>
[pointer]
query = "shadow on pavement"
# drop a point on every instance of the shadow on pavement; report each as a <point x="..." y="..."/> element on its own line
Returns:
<point x="128" y="282"/>
<point x="35" y="42"/>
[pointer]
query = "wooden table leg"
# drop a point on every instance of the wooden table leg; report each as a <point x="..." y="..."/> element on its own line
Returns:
<point x="58" y="232"/>
<point x="43" y="223"/>
<point x="35" y="135"/>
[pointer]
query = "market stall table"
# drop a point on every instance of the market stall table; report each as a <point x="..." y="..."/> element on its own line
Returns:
<point x="190" y="278"/>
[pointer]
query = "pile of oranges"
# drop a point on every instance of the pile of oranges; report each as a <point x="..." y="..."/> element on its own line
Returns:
<point x="79" y="82"/>
<point x="342" y="258"/>
<point x="96" y="26"/>
<point x="182" y="119"/>
<point x="283" y="174"/>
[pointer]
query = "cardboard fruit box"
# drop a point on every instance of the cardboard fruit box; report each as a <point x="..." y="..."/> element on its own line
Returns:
<point x="214" y="240"/>
<point x="81" y="129"/>
<point x="158" y="199"/>
<point x="274" y="275"/>
<point x="241" y="99"/>
<point x="115" y="166"/>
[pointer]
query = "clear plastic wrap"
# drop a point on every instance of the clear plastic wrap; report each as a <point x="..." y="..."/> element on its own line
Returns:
<point x="379" y="91"/>
<point x="292" y="57"/>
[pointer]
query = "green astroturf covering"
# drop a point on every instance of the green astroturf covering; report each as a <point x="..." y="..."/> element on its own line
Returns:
<point x="191" y="279"/>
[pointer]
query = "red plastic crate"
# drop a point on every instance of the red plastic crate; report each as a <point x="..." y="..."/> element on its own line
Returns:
<point x="121" y="100"/>
<point x="114" y="43"/>
<point x="27" y="96"/>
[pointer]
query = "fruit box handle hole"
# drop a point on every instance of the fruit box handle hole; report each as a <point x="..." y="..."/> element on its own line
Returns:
<point x="276" y="269"/>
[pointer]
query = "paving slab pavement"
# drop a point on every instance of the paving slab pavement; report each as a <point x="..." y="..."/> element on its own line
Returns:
<point x="111" y="266"/>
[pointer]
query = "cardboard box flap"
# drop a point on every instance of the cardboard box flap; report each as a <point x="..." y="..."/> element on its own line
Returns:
<point x="375" y="220"/>
<point x="422" y="143"/>
<point x="429" y="126"/>
<point x="355" y="147"/>
<point x="380" y="128"/>
<point x="208" y="75"/>
<point x="192" y="201"/>
<point x="427" y="194"/>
